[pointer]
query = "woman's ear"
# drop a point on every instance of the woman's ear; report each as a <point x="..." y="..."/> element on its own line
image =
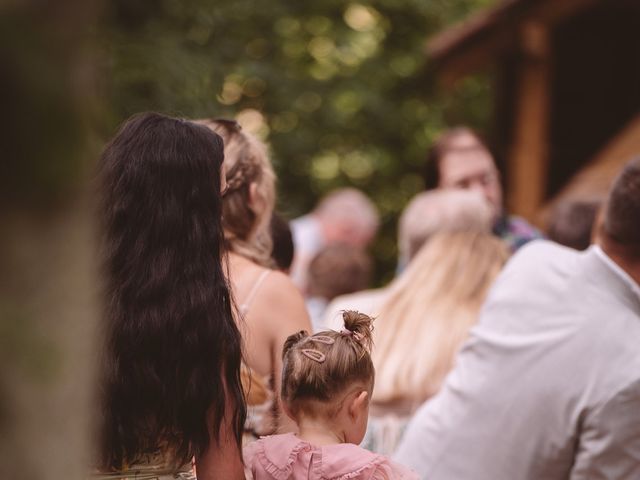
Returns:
<point x="359" y="404"/>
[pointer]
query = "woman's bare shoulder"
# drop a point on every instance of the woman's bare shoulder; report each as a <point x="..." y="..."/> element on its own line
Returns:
<point x="281" y="299"/>
<point x="280" y="285"/>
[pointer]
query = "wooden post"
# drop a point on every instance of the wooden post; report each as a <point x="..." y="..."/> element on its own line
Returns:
<point x="528" y="159"/>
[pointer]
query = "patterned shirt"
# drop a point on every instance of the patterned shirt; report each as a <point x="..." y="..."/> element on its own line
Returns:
<point x="515" y="231"/>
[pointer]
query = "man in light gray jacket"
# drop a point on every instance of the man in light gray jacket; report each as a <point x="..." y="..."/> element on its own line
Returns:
<point x="548" y="385"/>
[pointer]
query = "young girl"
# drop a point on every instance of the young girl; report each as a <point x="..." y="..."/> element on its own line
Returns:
<point x="327" y="380"/>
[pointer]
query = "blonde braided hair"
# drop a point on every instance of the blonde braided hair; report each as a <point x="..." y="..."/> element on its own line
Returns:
<point x="245" y="219"/>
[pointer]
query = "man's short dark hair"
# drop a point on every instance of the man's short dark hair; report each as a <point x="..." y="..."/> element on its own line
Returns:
<point x="622" y="216"/>
<point x="572" y="221"/>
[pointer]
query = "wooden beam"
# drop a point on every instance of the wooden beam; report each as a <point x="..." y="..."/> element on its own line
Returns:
<point x="596" y="177"/>
<point x="489" y="34"/>
<point x="528" y="159"/>
<point x="553" y="12"/>
<point x="482" y="57"/>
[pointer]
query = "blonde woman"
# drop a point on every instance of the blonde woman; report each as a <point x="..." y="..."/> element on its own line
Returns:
<point x="247" y="208"/>
<point x="422" y="324"/>
<point x="425" y="215"/>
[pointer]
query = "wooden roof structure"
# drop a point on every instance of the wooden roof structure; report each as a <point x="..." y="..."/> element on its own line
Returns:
<point x="567" y="82"/>
<point x="596" y="177"/>
<point x="481" y="39"/>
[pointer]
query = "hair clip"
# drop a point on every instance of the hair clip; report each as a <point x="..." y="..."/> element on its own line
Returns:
<point x="321" y="339"/>
<point x="314" y="355"/>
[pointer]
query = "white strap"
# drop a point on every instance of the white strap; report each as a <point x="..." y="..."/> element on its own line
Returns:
<point x="256" y="286"/>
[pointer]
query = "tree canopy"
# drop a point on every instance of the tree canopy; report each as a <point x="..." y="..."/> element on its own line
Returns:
<point x="342" y="91"/>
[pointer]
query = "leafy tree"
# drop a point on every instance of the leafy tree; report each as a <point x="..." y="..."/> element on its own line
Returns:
<point x="343" y="92"/>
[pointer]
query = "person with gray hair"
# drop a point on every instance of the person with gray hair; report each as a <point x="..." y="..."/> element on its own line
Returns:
<point x="548" y="385"/>
<point x="440" y="210"/>
<point x="345" y="215"/>
<point x="426" y="214"/>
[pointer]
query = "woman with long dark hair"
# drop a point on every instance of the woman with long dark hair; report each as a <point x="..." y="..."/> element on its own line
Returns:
<point x="171" y="388"/>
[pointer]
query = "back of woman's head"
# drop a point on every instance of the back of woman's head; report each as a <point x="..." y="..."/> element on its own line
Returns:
<point x="172" y="347"/>
<point x="440" y="210"/>
<point x="315" y="368"/>
<point x="430" y="310"/>
<point x="247" y="209"/>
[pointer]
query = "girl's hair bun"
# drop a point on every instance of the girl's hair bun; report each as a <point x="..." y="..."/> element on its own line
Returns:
<point x="360" y="327"/>
<point x="316" y="368"/>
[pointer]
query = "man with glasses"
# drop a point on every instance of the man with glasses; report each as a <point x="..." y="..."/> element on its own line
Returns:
<point x="459" y="159"/>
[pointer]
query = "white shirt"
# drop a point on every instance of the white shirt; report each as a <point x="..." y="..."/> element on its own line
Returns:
<point x="548" y="385"/>
<point x="307" y="241"/>
<point x="635" y="288"/>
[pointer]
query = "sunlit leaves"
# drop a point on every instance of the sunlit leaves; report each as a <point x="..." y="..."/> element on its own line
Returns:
<point x="341" y="91"/>
<point x="361" y="18"/>
<point x="308" y="101"/>
<point x="318" y="25"/>
<point x="325" y="166"/>
<point x="231" y="90"/>
<point x="403" y="65"/>
<point x="286" y="26"/>
<point x="257" y="48"/>
<point x="346" y="103"/>
<point x="284" y="122"/>
<point x="253" y="121"/>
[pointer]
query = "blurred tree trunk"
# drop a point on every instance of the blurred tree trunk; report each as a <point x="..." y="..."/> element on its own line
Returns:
<point x="48" y="306"/>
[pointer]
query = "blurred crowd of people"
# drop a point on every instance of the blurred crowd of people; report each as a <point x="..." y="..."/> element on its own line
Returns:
<point x="239" y="344"/>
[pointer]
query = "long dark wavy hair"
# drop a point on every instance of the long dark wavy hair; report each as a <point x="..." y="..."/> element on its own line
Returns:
<point x="172" y="348"/>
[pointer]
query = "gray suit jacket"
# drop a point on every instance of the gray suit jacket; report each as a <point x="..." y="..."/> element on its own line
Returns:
<point x="548" y="385"/>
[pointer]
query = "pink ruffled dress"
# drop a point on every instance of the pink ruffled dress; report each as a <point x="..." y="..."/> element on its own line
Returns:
<point x="286" y="457"/>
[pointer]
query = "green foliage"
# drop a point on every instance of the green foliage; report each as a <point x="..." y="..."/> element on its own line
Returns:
<point x="343" y="92"/>
<point x="43" y="109"/>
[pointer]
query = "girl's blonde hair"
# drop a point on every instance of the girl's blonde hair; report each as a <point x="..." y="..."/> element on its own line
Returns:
<point x="246" y="228"/>
<point x="316" y="368"/>
<point x="429" y="312"/>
